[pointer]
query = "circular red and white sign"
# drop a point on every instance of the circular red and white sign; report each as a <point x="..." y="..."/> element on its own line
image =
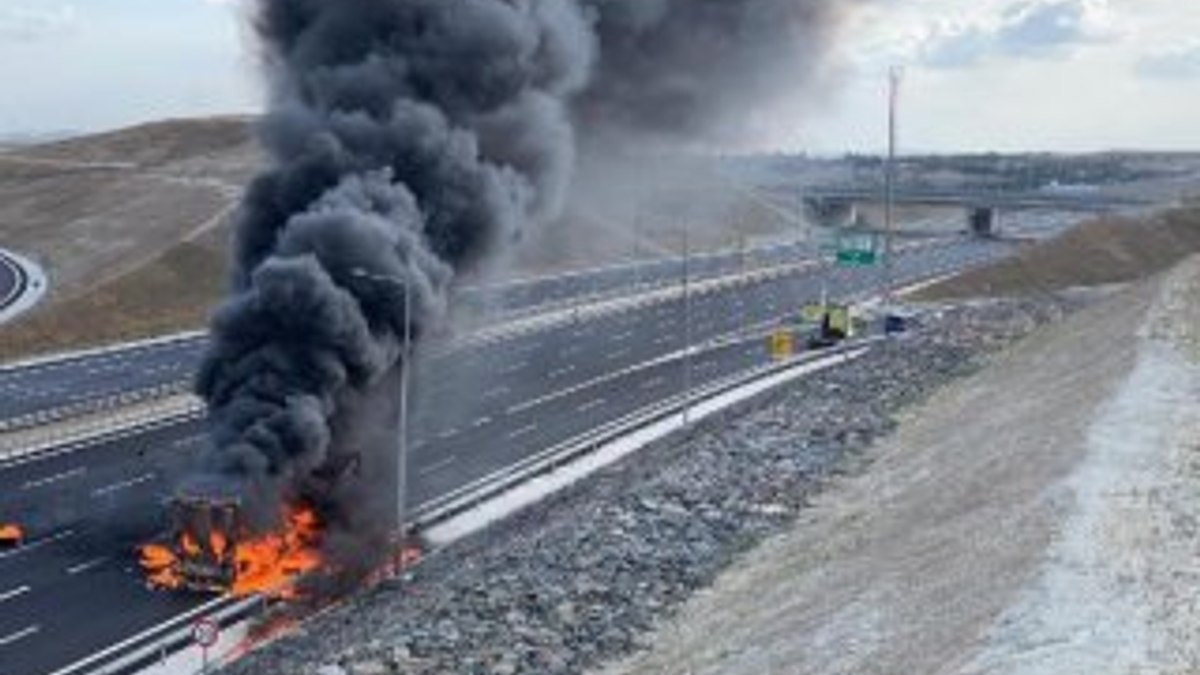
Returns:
<point x="205" y="632"/>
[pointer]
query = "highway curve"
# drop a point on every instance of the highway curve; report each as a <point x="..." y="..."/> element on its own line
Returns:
<point x="13" y="281"/>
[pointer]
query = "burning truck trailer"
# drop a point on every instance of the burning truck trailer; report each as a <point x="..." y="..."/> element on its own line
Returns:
<point x="339" y="527"/>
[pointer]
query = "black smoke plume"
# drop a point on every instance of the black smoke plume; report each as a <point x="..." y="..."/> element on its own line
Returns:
<point x="685" y="70"/>
<point x="408" y="140"/>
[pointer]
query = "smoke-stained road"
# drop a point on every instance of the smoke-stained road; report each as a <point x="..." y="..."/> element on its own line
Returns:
<point x="514" y="397"/>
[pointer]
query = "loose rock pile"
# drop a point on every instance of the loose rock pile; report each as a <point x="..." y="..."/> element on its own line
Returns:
<point x="582" y="577"/>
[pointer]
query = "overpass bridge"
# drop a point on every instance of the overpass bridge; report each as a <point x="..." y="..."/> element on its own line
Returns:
<point x="838" y="203"/>
<point x="975" y="198"/>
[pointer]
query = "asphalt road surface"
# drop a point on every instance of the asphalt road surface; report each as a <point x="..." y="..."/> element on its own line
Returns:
<point x="13" y="281"/>
<point x="74" y="589"/>
<point x="89" y="378"/>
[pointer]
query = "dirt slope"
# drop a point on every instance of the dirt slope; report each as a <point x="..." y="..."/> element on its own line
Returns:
<point x="1098" y="252"/>
<point x="1012" y="525"/>
<point x="95" y="208"/>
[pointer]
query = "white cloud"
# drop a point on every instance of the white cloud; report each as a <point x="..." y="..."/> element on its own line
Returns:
<point x="1027" y="29"/>
<point x="1176" y="63"/>
<point x="29" y="23"/>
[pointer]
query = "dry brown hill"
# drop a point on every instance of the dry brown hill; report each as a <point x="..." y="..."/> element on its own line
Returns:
<point x="132" y="227"/>
<point x="95" y="208"/>
<point x="1095" y="253"/>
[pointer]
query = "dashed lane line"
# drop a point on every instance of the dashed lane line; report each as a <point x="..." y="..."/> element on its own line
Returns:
<point x="56" y="478"/>
<point x="523" y="431"/>
<point x="19" y="635"/>
<point x="123" y="485"/>
<point x="35" y="545"/>
<point x="85" y="566"/>
<point x="14" y="593"/>
<point x="437" y="466"/>
<point x="591" y="405"/>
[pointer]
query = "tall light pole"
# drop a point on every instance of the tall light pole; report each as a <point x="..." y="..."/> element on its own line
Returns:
<point x="405" y="374"/>
<point x="889" y="207"/>
<point x="687" y="327"/>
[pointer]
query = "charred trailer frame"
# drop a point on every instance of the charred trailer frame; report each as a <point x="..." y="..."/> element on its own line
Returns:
<point x="205" y="536"/>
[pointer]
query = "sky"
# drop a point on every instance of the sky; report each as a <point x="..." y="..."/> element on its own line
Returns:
<point x="978" y="75"/>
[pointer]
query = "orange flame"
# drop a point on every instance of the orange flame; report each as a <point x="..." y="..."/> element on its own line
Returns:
<point x="11" y="533"/>
<point x="269" y="564"/>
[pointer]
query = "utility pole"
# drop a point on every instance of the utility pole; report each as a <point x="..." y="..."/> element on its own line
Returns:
<point x="402" y="463"/>
<point x="406" y="365"/>
<point x="687" y="327"/>
<point x="889" y="208"/>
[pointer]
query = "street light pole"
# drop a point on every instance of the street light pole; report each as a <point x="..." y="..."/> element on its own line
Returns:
<point x="894" y="75"/>
<point x="405" y="375"/>
<point x="687" y="327"/>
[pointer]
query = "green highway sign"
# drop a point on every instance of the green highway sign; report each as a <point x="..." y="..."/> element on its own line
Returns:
<point x="858" y="249"/>
<point x="856" y="258"/>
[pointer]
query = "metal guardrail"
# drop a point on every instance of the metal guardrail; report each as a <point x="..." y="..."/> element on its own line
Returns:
<point x="94" y="405"/>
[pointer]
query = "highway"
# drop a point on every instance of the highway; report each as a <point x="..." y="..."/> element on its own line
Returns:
<point x="94" y="378"/>
<point x="74" y="589"/>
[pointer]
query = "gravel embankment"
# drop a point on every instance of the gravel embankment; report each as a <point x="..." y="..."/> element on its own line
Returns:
<point x="582" y="578"/>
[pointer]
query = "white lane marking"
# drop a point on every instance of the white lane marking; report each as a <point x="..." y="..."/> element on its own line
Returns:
<point x="123" y="485"/>
<point x="555" y="374"/>
<point x="618" y="354"/>
<point x="85" y="566"/>
<point x="56" y="478"/>
<point x="496" y="392"/>
<point x="591" y="404"/>
<point x="33" y="546"/>
<point x="514" y="368"/>
<point x="438" y="466"/>
<point x="621" y="337"/>
<point x="482" y="421"/>
<point x="19" y="635"/>
<point x="14" y="593"/>
<point x="448" y="434"/>
<point x="523" y="431"/>
<point x="653" y="382"/>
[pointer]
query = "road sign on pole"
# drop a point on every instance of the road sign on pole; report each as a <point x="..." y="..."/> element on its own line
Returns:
<point x="783" y="345"/>
<point x="205" y="632"/>
<point x="857" y="249"/>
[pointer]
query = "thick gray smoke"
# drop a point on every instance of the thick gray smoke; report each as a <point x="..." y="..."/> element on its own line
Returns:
<point x="409" y="139"/>
<point x="681" y="70"/>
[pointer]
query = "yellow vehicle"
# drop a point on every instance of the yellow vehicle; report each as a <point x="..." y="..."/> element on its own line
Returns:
<point x="834" y="324"/>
